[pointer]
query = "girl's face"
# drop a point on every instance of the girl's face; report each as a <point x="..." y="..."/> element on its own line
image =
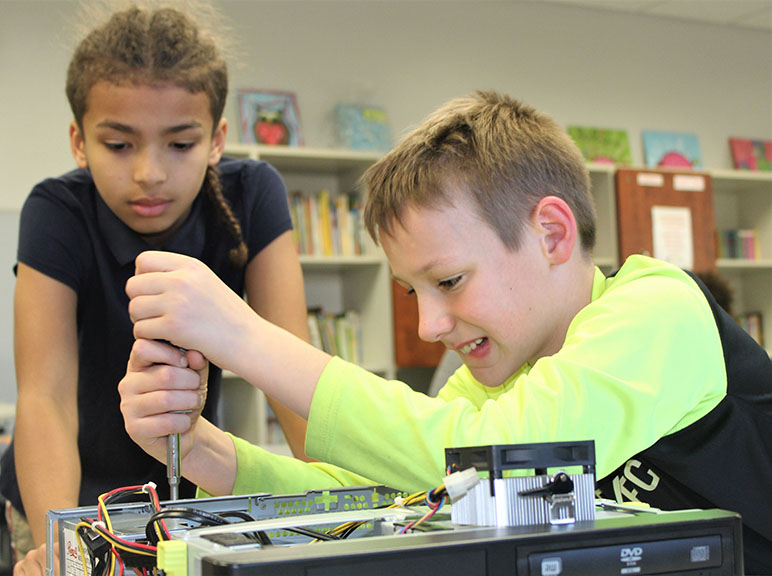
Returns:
<point x="148" y="149"/>
<point x="488" y="303"/>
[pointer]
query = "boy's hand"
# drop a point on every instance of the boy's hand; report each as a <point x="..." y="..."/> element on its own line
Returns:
<point x="179" y="299"/>
<point x="162" y="393"/>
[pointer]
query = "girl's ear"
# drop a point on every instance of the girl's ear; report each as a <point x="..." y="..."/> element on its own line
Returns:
<point x="556" y="224"/>
<point x="78" y="146"/>
<point x="218" y="142"/>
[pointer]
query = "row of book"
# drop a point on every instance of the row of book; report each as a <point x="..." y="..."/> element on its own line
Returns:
<point x="739" y="243"/>
<point x="325" y="225"/>
<point x="751" y="323"/>
<point x="337" y="334"/>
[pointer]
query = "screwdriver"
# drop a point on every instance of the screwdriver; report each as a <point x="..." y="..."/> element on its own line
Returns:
<point x="173" y="465"/>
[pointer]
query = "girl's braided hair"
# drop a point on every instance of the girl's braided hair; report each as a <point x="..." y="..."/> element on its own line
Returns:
<point x="237" y="255"/>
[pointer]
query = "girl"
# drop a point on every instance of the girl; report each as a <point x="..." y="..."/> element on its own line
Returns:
<point x="147" y="90"/>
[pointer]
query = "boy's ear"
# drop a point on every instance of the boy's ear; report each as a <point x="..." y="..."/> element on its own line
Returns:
<point x="555" y="222"/>
<point x="78" y="146"/>
<point x="218" y="142"/>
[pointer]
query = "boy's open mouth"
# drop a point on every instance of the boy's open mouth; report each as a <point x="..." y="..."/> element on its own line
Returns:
<point x="473" y="346"/>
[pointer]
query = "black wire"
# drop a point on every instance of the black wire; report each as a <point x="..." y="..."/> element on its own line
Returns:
<point x="312" y="533"/>
<point x="199" y="516"/>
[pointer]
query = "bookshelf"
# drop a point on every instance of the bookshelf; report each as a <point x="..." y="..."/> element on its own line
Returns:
<point x="743" y="200"/>
<point x="333" y="283"/>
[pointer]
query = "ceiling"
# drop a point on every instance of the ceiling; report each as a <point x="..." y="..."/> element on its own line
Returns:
<point x="754" y="14"/>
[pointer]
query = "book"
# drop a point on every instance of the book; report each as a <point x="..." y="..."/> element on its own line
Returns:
<point x="671" y="150"/>
<point x="751" y="323"/>
<point x="602" y="145"/>
<point x="749" y="154"/>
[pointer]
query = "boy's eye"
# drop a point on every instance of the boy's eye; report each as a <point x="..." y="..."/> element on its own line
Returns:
<point x="450" y="282"/>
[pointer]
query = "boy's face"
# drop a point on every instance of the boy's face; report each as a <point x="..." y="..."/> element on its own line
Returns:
<point x="148" y="149"/>
<point x="474" y="294"/>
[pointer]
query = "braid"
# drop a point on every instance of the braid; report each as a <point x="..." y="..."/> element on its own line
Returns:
<point x="237" y="255"/>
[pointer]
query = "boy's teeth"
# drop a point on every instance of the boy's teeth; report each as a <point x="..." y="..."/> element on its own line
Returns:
<point x="469" y="347"/>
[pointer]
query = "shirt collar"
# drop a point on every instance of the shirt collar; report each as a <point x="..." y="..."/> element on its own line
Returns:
<point x="126" y="245"/>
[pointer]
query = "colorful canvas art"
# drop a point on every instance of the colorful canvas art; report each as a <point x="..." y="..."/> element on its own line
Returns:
<point x="671" y="150"/>
<point x="269" y="117"/>
<point x="602" y="145"/>
<point x="750" y="154"/>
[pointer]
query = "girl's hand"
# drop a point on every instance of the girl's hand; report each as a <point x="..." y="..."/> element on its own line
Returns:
<point x="162" y="393"/>
<point x="179" y="299"/>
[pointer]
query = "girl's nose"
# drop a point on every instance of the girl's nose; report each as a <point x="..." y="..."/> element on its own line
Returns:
<point x="149" y="168"/>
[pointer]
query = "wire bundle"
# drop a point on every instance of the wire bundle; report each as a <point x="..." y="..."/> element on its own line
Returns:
<point x="434" y="499"/>
<point x="108" y="553"/>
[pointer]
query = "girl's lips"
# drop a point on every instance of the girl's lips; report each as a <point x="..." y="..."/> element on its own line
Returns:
<point x="149" y="208"/>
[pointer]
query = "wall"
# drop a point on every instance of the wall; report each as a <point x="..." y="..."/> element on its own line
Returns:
<point x="584" y="66"/>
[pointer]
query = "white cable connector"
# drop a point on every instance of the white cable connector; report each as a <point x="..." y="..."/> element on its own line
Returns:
<point x="459" y="483"/>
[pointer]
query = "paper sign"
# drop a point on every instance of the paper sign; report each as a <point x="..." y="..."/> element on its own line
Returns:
<point x="689" y="182"/>
<point x="671" y="230"/>
<point x="650" y="179"/>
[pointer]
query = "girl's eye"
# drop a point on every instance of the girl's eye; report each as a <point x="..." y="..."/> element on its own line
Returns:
<point x="116" y="146"/>
<point x="450" y="282"/>
<point x="182" y="146"/>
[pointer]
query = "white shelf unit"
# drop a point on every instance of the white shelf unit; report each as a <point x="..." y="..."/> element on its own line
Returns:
<point x="743" y="199"/>
<point x="603" y="188"/>
<point x="336" y="283"/>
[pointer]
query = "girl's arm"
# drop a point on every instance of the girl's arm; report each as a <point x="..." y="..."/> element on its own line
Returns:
<point x="46" y="432"/>
<point x="274" y="287"/>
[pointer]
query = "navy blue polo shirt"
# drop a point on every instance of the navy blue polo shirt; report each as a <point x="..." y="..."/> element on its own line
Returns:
<point x="68" y="233"/>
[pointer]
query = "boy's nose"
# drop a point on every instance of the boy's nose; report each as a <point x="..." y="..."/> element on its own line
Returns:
<point x="149" y="169"/>
<point x="434" y="321"/>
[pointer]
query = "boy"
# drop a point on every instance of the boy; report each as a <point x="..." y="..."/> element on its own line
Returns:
<point x="485" y="215"/>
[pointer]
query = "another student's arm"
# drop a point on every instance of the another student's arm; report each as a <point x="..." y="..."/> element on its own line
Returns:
<point x="274" y="286"/>
<point x="162" y="393"/>
<point x="177" y="298"/>
<point x="46" y="430"/>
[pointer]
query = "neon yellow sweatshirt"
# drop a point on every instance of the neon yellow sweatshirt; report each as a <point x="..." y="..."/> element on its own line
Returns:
<point x="641" y="361"/>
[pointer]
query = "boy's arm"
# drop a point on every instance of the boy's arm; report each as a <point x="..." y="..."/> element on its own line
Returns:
<point x="178" y="299"/>
<point x="162" y="393"/>
<point x="46" y="430"/>
<point x="274" y="286"/>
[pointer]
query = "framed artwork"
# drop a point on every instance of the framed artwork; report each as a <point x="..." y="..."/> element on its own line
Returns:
<point x="749" y="154"/>
<point x="671" y="150"/>
<point x="270" y="118"/>
<point x="602" y="145"/>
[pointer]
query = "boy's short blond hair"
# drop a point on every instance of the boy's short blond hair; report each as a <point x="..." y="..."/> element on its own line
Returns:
<point x="503" y="153"/>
